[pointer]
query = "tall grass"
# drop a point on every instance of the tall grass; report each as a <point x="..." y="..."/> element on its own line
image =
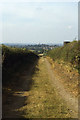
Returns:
<point x="68" y="53"/>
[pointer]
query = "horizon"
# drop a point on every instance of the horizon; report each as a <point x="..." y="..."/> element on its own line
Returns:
<point x="32" y="43"/>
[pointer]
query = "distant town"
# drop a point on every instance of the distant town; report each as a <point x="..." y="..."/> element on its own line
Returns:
<point x="37" y="48"/>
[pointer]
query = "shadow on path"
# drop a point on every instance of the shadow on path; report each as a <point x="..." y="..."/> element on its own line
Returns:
<point x="13" y="93"/>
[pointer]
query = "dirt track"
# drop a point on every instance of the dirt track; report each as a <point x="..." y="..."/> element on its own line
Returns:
<point x="71" y="101"/>
<point x="19" y="93"/>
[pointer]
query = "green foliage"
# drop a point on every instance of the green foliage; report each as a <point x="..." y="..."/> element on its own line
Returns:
<point x="68" y="53"/>
<point x="13" y="59"/>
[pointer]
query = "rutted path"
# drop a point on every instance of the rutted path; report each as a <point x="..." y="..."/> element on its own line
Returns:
<point x="42" y="99"/>
<point x="71" y="101"/>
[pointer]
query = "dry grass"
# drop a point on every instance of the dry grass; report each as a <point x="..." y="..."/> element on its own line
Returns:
<point x="43" y="101"/>
<point x="67" y="75"/>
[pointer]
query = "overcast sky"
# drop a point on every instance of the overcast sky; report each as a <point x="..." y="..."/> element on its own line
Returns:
<point x="38" y="22"/>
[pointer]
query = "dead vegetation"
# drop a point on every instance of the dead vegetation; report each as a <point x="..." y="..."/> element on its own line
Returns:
<point x="68" y="75"/>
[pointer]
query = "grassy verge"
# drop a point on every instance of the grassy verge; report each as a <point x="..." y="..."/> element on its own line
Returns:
<point x="69" y="53"/>
<point x="66" y="63"/>
<point x="43" y="101"/>
<point x="67" y="75"/>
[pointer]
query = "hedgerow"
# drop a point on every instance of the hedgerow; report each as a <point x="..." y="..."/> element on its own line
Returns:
<point x="69" y="53"/>
<point x="13" y="59"/>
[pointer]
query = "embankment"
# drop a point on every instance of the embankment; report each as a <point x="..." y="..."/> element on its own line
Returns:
<point x="14" y="60"/>
<point x="66" y="63"/>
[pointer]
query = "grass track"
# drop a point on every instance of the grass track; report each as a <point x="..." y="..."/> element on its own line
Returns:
<point x="43" y="101"/>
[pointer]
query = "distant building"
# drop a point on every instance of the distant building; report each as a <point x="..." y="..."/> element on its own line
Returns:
<point x="66" y="42"/>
